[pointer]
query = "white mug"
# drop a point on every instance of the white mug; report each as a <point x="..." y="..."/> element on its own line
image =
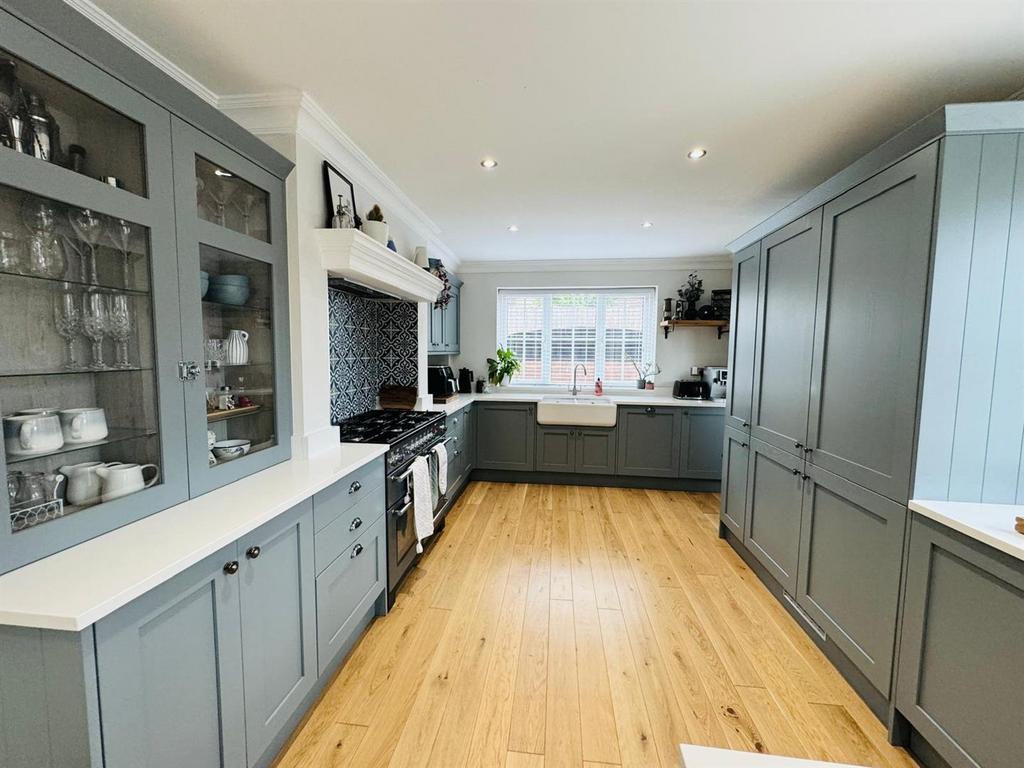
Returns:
<point x="32" y="434"/>
<point x="83" y="425"/>
<point x="123" y="479"/>
<point x="83" y="482"/>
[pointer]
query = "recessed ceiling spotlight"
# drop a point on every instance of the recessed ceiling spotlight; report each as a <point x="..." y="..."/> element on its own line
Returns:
<point x="513" y="228"/>
<point x="647" y="224"/>
<point x="488" y="163"/>
<point x="696" y="154"/>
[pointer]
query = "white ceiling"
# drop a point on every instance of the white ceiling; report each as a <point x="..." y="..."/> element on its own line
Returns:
<point x="590" y="107"/>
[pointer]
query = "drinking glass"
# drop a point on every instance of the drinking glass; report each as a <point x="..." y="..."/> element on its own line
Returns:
<point x="89" y="228"/>
<point x="94" y="326"/>
<point x="68" y="319"/>
<point x="119" y="328"/>
<point x="121" y="235"/>
<point x="246" y="208"/>
<point x="44" y="257"/>
<point x="220" y="191"/>
<point x="10" y="252"/>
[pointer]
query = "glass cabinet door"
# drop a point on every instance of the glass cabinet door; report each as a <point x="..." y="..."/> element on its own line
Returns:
<point x="234" y="302"/>
<point x="89" y="329"/>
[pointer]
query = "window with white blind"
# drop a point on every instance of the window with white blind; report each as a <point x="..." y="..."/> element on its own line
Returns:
<point x="551" y="330"/>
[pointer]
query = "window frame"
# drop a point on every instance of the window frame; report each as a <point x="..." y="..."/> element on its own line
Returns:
<point x="648" y="339"/>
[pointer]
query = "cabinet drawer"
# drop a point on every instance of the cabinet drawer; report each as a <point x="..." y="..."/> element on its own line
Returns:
<point x="334" y="501"/>
<point x="343" y="531"/>
<point x="347" y="588"/>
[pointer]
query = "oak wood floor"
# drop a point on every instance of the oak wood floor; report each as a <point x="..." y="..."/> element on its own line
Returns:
<point x="589" y="627"/>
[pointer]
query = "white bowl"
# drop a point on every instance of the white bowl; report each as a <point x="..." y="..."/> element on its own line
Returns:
<point x="231" y="449"/>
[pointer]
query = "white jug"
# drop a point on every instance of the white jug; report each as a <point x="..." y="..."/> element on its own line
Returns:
<point x="236" y="348"/>
<point x="83" y="481"/>
<point x="124" y="479"/>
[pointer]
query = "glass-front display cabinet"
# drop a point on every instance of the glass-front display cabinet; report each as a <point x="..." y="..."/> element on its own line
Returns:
<point x="143" y="317"/>
<point x="234" y="296"/>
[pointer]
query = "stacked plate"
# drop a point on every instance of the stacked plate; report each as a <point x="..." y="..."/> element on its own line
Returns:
<point x="229" y="289"/>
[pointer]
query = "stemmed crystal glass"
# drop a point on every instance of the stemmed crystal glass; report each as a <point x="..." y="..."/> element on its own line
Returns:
<point x="119" y="328"/>
<point x="121" y="232"/>
<point x="94" y="326"/>
<point x="44" y="258"/>
<point x="89" y="228"/>
<point x="246" y="208"/>
<point x="220" y="192"/>
<point x="67" y="318"/>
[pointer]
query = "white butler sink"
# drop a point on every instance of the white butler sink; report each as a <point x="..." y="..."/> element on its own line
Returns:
<point x="577" y="411"/>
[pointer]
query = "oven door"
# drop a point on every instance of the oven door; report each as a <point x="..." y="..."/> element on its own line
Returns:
<point x="401" y="531"/>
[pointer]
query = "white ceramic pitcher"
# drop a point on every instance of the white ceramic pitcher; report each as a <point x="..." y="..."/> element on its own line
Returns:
<point x="83" y="482"/>
<point x="236" y="348"/>
<point x="123" y="479"/>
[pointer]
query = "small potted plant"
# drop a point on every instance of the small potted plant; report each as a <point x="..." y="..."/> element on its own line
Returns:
<point x="375" y="226"/>
<point x="504" y="365"/>
<point x="691" y="293"/>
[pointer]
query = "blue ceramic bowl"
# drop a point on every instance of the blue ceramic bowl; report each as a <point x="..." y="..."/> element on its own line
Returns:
<point x="230" y="279"/>
<point x="236" y="295"/>
<point x="204" y="284"/>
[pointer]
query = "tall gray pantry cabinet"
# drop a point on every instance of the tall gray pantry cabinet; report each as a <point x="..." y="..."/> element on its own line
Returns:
<point x="850" y="317"/>
<point x="142" y="272"/>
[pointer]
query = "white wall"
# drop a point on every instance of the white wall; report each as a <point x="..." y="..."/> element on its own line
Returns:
<point x="683" y="348"/>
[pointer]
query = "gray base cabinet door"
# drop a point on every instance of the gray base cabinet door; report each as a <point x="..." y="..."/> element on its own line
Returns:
<point x="277" y="578"/>
<point x="469" y="435"/>
<point x="649" y="440"/>
<point x="851" y="552"/>
<point x="506" y="436"/>
<point x="872" y="290"/>
<point x="701" y="443"/>
<point x="960" y="682"/>
<point x="785" y="333"/>
<point x="742" y="332"/>
<point x="595" y="451"/>
<point x="735" y="459"/>
<point x="774" y="500"/>
<point x="169" y="666"/>
<point x="556" y="449"/>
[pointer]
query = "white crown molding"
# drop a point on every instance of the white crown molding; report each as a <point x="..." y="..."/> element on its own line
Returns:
<point x="295" y="112"/>
<point x="109" y="24"/>
<point x="596" y="265"/>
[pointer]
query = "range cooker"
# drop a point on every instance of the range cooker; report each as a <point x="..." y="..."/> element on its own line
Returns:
<point x="408" y="434"/>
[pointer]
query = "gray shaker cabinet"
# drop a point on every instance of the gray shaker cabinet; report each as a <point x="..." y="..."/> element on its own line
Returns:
<point x="745" y="278"/>
<point x="735" y="459"/>
<point x="506" y="435"/>
<point x="169" y="666"/>
<point x="784" y="337"/>
<point x="587" y="450"/>
<point x="556" y="449"/>
<point x="649" y="439"/>
<point x="872" y="291"/>
<point x="851" y="551"/>
<point x="774" y="499"/>
<point x="701" y="443"/>
<point x="278" y="603"/>
<point x="960" y="684"/>
<point x="444" y="322"/>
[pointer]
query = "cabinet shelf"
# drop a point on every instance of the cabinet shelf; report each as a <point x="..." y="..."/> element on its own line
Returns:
<point x="214" y="416"/>
<point x="70" y="372"/>
<point x="106" y="287"/>
<point x="115" y="436"/>
<point x="668" y="326"/>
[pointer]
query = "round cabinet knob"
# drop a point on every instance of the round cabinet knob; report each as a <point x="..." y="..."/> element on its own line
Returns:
<point x="355" y="487"/>
<point x="356" y="522"/>
<point x="744" y="445"/>
<point x="253" y="552"/>
<point x="746" y="424"/>
<point x="798" y="446"/>
<point x="231" y="568"/>
<point x="649" y="410"/>
<point x="808" y="450"/>
<point x="357" y="550"/>
<point x="796" y="471"/>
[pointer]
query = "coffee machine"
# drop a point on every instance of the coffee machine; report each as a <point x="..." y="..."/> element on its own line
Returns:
<point x="718" y="380"/>
<point x="441" y="382"/>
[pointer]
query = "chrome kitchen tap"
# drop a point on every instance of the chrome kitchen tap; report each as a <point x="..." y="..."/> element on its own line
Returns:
<point x="575" y="389"/>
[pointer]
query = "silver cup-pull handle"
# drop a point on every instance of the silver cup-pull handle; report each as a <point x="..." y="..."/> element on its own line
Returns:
<point x="355" y="487"/>
<point x="357" y="550"/>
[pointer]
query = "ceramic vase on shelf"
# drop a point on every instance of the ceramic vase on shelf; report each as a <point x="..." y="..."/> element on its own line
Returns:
<point x="236" y="348"/>
<point x="378" y="230"/>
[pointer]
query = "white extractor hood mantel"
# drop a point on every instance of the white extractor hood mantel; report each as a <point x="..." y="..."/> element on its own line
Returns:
<point x="350" y="254"/>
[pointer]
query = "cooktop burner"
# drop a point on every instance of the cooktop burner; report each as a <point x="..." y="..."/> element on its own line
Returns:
<point x="384" y="426"/>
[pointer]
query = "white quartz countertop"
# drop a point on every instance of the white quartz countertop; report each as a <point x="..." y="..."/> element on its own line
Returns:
<point x="513" y="396"/>
<point x="990" y="524"/>
<point x="77" y="587"/>
<point x="710" y="757"/>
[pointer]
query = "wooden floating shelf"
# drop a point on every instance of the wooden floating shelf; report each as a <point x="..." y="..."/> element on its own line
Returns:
<point x="669" y="325"/>
<point x="234" y="413"/>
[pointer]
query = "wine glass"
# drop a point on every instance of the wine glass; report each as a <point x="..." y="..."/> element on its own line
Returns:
<point x="94" y="326"/>
<point x="246" y="208"/>
<point x="221" y="192"/>
<point x="89" y="228"/>
<point x="120" y="233"/>
<point x="67" y="317"/>
<point x="44" y="257"/>
<point x="119" y="328"/>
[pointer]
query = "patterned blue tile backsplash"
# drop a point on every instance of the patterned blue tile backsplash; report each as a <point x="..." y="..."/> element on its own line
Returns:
<point x="373" y="342"/>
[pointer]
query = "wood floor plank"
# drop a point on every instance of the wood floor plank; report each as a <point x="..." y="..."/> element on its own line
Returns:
<point x="594" y="627"/>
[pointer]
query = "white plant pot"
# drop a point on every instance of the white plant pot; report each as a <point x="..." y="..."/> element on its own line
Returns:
<point x="378" y="230"/>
